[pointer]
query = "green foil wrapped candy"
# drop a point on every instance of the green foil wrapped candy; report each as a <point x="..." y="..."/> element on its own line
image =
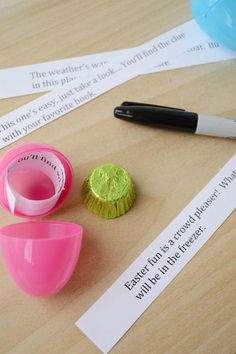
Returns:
<point x="108" y="191"/>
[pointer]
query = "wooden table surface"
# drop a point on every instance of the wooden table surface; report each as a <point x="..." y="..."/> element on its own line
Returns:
<point x="196" y="313"/>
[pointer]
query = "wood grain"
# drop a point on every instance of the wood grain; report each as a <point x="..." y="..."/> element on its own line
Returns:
<point x="196" y="313"/>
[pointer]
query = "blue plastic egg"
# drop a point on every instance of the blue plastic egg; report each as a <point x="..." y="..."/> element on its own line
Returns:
<point x="218" y="19"/>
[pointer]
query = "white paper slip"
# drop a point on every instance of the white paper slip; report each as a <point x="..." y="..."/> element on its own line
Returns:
<point x="72" y="95"/>
<point x="48" y="76"/>
<point x="45" y="77"/>
<point x="124" y="302"/>
<point x="38" y="165"/>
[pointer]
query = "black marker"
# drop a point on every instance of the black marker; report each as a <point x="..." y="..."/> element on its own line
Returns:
<point x="176" y="118"/>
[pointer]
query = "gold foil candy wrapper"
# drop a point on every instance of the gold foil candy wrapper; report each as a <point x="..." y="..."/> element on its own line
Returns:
<point x="109" y="191"/>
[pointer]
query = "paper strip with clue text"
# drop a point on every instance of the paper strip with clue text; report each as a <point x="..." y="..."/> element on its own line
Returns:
<point x="37" y="163"/>
<point x="72" y="95"/>
<point x="44" y="77"/>
<point x="123" y="303"/>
